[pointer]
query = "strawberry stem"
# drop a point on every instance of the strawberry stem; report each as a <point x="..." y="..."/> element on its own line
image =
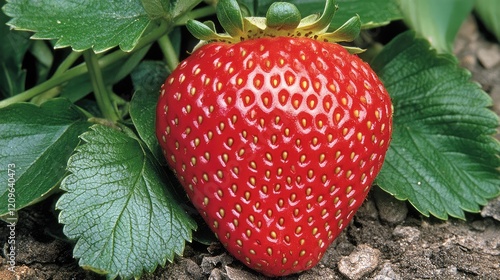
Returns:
<point x="196" y="13"/>
<point x="101" y="93"/>
<point x="45" y="86"/>
<point x="63" y="67"/>
<point x="168" y="51"/>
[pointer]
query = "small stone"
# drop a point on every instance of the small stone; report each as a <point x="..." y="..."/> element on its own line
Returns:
<point x="468" y="61"/>
<point x="468" y="31"/>
<point x="408" y="234"/>
<point x="390" y="209"/>
<point x="479" y="225"/>
<point x="489" y="57"/>
<point x="216" y="274"/>
<point x="209" y="263"/>
<point x="368" y="210"/>
<point x="492" y="209"/>
<point x="362" y="261"/>
<point x="192" y="269"/>
<point x="238" y="274"/>
<point x="387" y="273"/>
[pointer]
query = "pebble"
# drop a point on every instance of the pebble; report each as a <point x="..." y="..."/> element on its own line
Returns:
<point x="468" y="61"/>
<point x="479" y="225"/>
<point x="209" y="263"/>
<point x="192" y="269"/>
<point x="238" y="274"/>
<point x="216" y="274"/>
<point x="390" y="209"/>
<point x="408" y="234"/>
<point x="489" y="57"/>
<point x="368" y="210"/>
<point x="492" y="209"/>
<point x="387" y="273"/>
<point x="363" y="260"/>
<point x="467" y="33"/>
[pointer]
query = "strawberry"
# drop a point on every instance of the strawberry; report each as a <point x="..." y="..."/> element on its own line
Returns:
<point x="275" y="132"/>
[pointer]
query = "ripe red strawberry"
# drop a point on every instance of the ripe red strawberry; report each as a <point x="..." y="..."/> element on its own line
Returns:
<point x="276" y="141"/>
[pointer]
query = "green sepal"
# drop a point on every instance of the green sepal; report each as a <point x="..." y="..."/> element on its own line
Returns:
<point x="354" y="50"/>
<point x="346" y="33"/>
<point x="283" y="16"/>
<point x="252" y="23"/>
<point x="230" y="17"/>
<point x="210" y="25"/>
<point x="309" y="19"/>
<point x="323" y="22"/>
<point x="282" y="19"/>
<point x="203" y="31"/>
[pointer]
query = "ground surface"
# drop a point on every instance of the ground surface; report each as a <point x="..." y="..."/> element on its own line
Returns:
<point x="386" y="240"/>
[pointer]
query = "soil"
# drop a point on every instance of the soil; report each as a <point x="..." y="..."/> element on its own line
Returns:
<point x="387" y="239"/>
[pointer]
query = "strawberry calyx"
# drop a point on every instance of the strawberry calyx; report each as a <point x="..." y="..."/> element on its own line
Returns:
<point x="282" y="19"/>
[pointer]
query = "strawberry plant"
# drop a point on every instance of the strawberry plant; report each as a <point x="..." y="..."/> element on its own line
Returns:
<point x="275" y="131"/>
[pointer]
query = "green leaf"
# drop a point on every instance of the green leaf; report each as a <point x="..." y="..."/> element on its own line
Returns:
<point x="13" y="47"/>
<point x="489" y="13"/>
<point x="95" y="24"/>
<point x="443" y="157"/>
<point x="119" y="207"/>
<point x="156" y="8"/>
<point x="181" y="7"/>
<point x="372" y="13"/>
<point x="437" y="21"/>
<point x="147" y="79"/>
<point x="38" y="141"/>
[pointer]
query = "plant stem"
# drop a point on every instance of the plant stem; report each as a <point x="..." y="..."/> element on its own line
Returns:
<point x="45" y="86"/>
<point x="101" y="93"/>
<point x="81" y="69"/>
<point x="198" y="13"/>
<point x="68" y="61"/>
<point x="63" y="67"/>
<point x="168" y="51"/>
